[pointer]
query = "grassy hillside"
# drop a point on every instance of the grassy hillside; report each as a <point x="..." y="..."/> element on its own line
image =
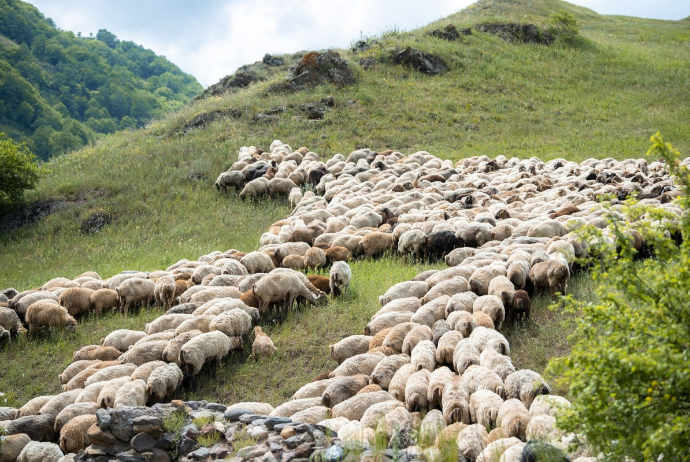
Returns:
<point x="602" y="96"/>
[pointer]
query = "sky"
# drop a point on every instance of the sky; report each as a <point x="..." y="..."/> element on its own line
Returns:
<point x="213" y="40"/>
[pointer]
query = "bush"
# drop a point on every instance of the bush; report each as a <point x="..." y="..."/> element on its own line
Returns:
<point x="18" y="171"/>
<point x="564" y="26"/>
<point x="628" y="370"/>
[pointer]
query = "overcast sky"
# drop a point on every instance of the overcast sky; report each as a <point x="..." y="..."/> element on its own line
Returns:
<point x="212" y="38"/>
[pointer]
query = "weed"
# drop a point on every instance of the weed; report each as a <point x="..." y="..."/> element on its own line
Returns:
<point x="209" y="440"/>
<point x="201" y="421"/>
<point x="174" y="422"/>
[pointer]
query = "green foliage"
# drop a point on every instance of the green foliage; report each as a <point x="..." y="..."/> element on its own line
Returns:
<point x="60" y="90"/>
<point x="201" y="421"/>
<point x="628" y="371"/>
<point x="18" y="171"/>
<point x="564" y="25"/>
<point x="174" y="422"/>
<point x="206" y="441"/>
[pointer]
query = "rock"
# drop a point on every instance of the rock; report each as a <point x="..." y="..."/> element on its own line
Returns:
<point x="303" y="451"/>
<point x="368" y="64"/>
<point x="95" y="222"/>
<point x="29" y="213"/>
<point x="103" y="419"/>
<point x="251" y="452"/>
<point x="258" y="422"/>
<point x="258" y="433"/>
<point x="242" y="78"/>
<point x="315" y="69"/>
<point x="159" y="456"/>
<point x="206" y="430"/>
<point x="148" y="424"/>
<point x="166" y="441"/>
<point x="127" y="457"/>
<point x="275" y="447"/>
<point x="420" y="61"/>
<point x="143" y="442"/>
<point x="272" y="421"/>
<point x="288" y="431"/>
<point x="249" y="418"/>
<point x="333" y="454"/>
<point x="273" y="60"/>
<point x="100" y="437"/>
<point x="266" y="118"/>
<point x="121" y="424"/>
<point x="219" y="427"/>
<point x="363" y="45"/>
<point x="202" y="414"/>
<point x="186" y="445"/>
<point x="216" y="407"/>
<point x="449" y="33"/>
<point x="511" y="32"/>
<point x="221" y="451"/>
<point x="234" y="415"/>
<point x="279" y="427"/>
<point x="306" y="438"/>
<point x="199" y="454"/>
<point x="269" y="457"/>
<point x="276" y="110"/>
<point x="467" y="31"/>
<point x="314" y="111"/>
<point x="235" y="459"/>
<point x="201" y="120"/>
<point x="292" y="442"/>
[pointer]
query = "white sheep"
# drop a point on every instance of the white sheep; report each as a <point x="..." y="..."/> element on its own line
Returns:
<point x="203" y="348"/>
<point x="163" y="381"/>
<point x="484" y="406"/>
<point x="340" y="277"/>
<point x="132" y="393"/>
<point x="465" y="355"/>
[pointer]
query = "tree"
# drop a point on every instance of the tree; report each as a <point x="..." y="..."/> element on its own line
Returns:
<point x="629" y="370"/>
<point x="564" y="25"/>
<point x="18" y="171"/>
<point x="107" y="37"/>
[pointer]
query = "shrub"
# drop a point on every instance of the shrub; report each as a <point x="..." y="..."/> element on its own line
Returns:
<point x="628" y="370"/>
<point x="18" y="171"/>
<point x="564" y="25"/>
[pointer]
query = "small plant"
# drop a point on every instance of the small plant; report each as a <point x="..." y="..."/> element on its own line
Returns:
<point x="242" y="440"/>
<point x="201" y="421"/>
<point x="564" y="25"/>
<point x="174" y="422"/>
<point x="209" y="440"/>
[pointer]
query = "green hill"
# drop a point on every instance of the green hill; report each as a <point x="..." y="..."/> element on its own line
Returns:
<point x="58" y="90"/>
<point x="601" y="95"/>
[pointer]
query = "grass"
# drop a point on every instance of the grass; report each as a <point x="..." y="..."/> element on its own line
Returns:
<point x="621" y="81"/>
<point x="174" y="422"/>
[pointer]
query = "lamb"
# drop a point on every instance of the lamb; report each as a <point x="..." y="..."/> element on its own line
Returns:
<point x="163" y="381"/>
<point x="552" y="275"/>
<point x="58" y="402"/>
<point x="424" y="356"/>
<point x="397" y="385"/>
<point x="135" y="290"/>
<point x="12" y="446"/>
<point x="484" y="406"/>
<point x="376" y="243"/>
<point x="338" y="253"/>
<point x="378" y="338"/>
<point x="385" y="370"/>
<point x="437" y="382"/>
<point x="5" y="336"/>
<point x="122" y="339"/>
<point x="34" y="405"/>
<point x="455" y="402"/>
<point x="144" y="352"/>
<point x="233" y="323"/>
<point x="513" y="418"/>
<point x="91" y="352"/>
<point x="417" y="334"/>
<point x="497" y="362"/>
<point x="358" y="364"/>
<point x="263" y="346"/>
<point x="171" y="353"/>
<point x="343" y="388"/>
<point x="77" y="300"/>
<point x="316" y="258"/>
<point x="446" y="347"/>
<point x="109" y="373"/>
<point x="349" y="346"/>
<point x="491" y="305"/>
<point x="526" y="385"/>
<point x="295" y="197"/>
<point x="416" y="390"/>
<point x="47" y="314"/>
<point x="483" y="337"/>
<point x="203" y="348"/>
<point x="73" y="436"/>
<point x="164" y="291"/>
<point x="465" y="355"/>
<point x="404" y="290"/>
<point x="472" y="440"/>
<point x="257" y="262"/>
<point x="10" y="321"/>
<point x="294" y="262"/>
<point x="354" y="408"/>
<point x="166" y="322"/>
<point x="481" y="378"/>
<point x="144" y="371"/>
<point x="40" y="452"/>
<point x="340" y="277"/>
<point x="131" y="394"/>
<point x="521" y="306"/>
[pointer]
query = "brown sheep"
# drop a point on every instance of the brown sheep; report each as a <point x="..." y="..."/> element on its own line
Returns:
<point x="103" y="299"/>
<point x="77" y="300"/>
<point x="377" y="243"/>
<point x="103" y="353"/>
<point x="521" y="306"/>
<point x="338" y="253"/>
<point x="315" y="258"/>
<point x="294" y="262"/>
<point x="263" y="346"/>
<point x="483" y="319"/>
<point x="250" y="299"/>
<point x="181" y="286"/>
<point x="567" y="210"/>
<point x="320" y="282"/>
<point x="73" y="436"/>
<point x="47" y="314"/>
<point x="552" y="275"/>
<point x="378" y="339"/>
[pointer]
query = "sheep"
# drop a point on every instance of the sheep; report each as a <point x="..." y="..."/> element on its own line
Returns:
<point x="144" y="371"/>
<point x="463" y="322"/>
<point x="424" y="356"/>
<point x="47" y="314"/>
<point x="201" y="323"/>
<point x="415" y="335"/>
<point x="518" y="273"/>
<point x="385" y="370"/>
<point x="378" y="338"/>
<point x="21" y="303"/>
<point x="354" y="408"/>
<point x="295" y="196"/>
<point x="340" y="277"/>
<point x="89" y="394"/>
<point x="171" y="353"/>
<point x="40" y="452"/>
<point x="8" y="413"/>
<point x="157" y="337"/>
<point x="387" y="417"/>
<point x="455" y="401"/>
<point x="483" y="337"/>
<point x="385" y="321"/>
<point x="254" y="188"/>
<point x="263" y="346"/>
<point x="503" y="288"/>
<point x="5" y="336"/>
<point x="163" y="381"/>
<point x="164" y="291"/>
<point x="135" y="290"/>
<point x="548" y="405"/>
<point x="122" y="339"/>
<point x="106" y="398"/>
<point x="440" y="327"/>
<point x="359" y="364"/>
<point x="437" y="382"/>
<point x="446" y="347"/>
<point x="311" y="415"/>
<point x="144" y="352"/>
<point x="497" y="362"/>
<point x="495" y="449"/>
<point x="109" y="373"/>
<point x="349" y="346"/>
<point x="233" y="323"/>
<point x="292" y="407"/>
<point x="283" y="287"/>
<point x="77" y="300"/>
<point x="404" y="290"/>
<point x="416" y="390"/>
<point x="10" y="321"/>
<point x="58" y="402"/>
<point x="410" y="304"/>
<point x="461" y="302"/>
<point x="211" y="293"/>
<point x="492" y="306"/>
<point x="397" y="384"/>
<point x="448" y="287"/>
<point x="431" y="312"/>
<point x="521" y="306"/>
<point x="294" y="262"/>
<point x="230" y="179"/>
<point x="481" y="278"/>
<point x="472" y="440"/>
<point x="257" y="262"/>
<point x="12" y="446"/>
<point x="280" y="187"/>
<point x="130" y="394"/>
<point x="90" y="352"/>
<point x="314" y="389"/>
<point x="552" y="275"/>
<point x="480" y="378"/>
<point x="543" y="428"/>
<point x="73" y="436"/>
<point x="482" y="319"/>
<point x="377" y="243"/>
<point x="34" y="405"/>
<point x="526" y="385"/>
<point x="413" y="242"/>
<point x="79" y="380"/>
<point x="38" y="427"/>
<point x="465" y="355"/>
<point x="203" y="348"/>
<point x="315" y="258"/>
<point x="166" y="322"/>
<point x="338" y="253"/>
<point x="59" y="282"/>
<point x="343" y="388"/>
<point x="484" y="406"/>
<point x="513" y="418"/>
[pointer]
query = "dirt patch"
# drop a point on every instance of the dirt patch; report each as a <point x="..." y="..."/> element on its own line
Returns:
<point x="315" y="69"/>
<point x="29" y="213"/>
<point x="96" y="220"/>
<point x="420" y="61"/>
<point x="526" y="33"/>
<point x="204" y="119"/>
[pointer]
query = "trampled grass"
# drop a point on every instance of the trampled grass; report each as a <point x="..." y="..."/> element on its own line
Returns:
<point x="602" y="96"/>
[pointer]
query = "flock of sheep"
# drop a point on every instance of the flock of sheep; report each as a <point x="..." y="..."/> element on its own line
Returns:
<point x="505" y="227"/>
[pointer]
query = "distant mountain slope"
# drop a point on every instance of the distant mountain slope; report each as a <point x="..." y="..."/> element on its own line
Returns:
<point x="58" y="90"/>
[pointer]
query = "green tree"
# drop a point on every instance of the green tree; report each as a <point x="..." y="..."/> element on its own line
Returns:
<point x="108" y="38"/>
<point x="564" y="25"/>
<point x="629" y="370"/>
<point x="18" y="171"/>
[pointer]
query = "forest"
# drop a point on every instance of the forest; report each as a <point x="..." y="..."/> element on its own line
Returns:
<point x="59" y="91"/>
